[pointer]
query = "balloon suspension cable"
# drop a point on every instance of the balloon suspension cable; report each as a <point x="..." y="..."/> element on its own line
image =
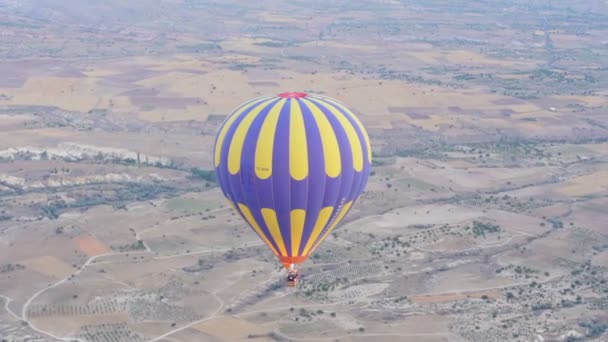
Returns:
<point x="291" y="267"/>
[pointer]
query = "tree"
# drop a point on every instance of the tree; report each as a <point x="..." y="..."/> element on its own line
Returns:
<point x="208" y="175"/>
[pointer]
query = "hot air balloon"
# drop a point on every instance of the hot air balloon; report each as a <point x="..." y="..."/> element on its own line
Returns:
<point x="292" y="165"/>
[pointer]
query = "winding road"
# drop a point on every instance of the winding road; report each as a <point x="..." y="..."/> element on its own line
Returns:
<point x="90" y="261"/>
<point x="35" y="295"/>
<point x="7" y="301"/>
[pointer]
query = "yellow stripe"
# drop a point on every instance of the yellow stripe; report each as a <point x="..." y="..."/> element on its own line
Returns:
<point x="331" y="150"/>
<point x="353" y="138"/>
<point x="270" y="217"/>
<point x="298" y="148"/>
<point x="226" y="127"/>
<point x="251" y="220"/>
<point x="335" y="223"/>
<point x="361" y="127"/>
<point x="265" y="144"/>
<point x="322" y="219"/>
<point x="297" y="228"/>
<point x="236" y="145"/>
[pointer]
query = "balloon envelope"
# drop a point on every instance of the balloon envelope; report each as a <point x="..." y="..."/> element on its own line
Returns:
<point x="292" y="166"/>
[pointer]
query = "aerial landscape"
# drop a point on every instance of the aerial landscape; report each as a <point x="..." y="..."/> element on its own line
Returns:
<point x="485" y="216"/>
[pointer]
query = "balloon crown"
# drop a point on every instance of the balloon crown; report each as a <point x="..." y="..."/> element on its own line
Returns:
<point x="292" y="95"/>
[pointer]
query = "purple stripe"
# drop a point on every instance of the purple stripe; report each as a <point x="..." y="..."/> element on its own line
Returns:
<point x="221" y="171"/>
<point x="299" y="188"/>
<point x="316" y="174"/>
<point x="364" y="179"/>
<point x="243" y="185"/>
<point x="264" y="187"/>
<point x="234" y="181"/>
<point x="299" y="193"/>
<point x="346" y="154"/>
<point x="346" y="176"/>
<point x="281" y="180"/>
<point x="360" y="178"/>
<point x="333" y="185"/>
